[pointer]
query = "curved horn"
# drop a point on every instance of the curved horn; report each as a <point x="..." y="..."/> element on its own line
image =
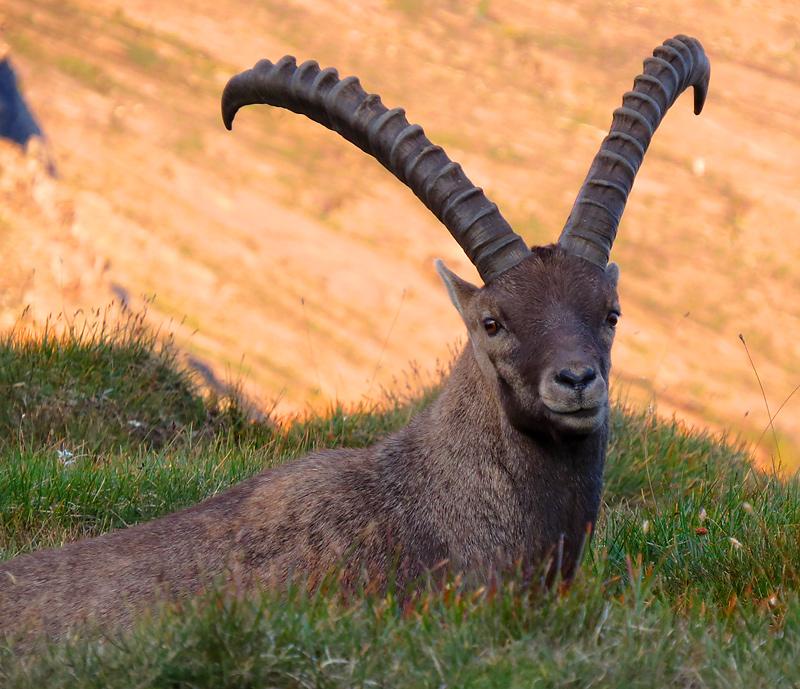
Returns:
<point x="592" y="224"/>
<point x="402" y="148"/>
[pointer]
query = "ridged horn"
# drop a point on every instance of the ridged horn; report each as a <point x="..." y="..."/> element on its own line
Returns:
<point x="402" y="148"/>
<point x="678" y="63"/>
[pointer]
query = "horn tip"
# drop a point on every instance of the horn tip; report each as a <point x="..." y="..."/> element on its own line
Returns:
<point x="698" y="105"/>
<point x="228" y="114"/>
<point x="700" y="93"/>
<point x="230" y="102"/>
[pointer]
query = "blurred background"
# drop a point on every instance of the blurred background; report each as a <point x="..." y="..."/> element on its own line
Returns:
<point x="282" y="256"/>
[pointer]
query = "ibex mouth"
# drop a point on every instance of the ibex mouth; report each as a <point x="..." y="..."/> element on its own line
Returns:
<point x="580" y="420"/>
<point x="580" y="413"/>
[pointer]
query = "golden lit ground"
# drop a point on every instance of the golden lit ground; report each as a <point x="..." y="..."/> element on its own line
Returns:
<point x="281" y="251"/>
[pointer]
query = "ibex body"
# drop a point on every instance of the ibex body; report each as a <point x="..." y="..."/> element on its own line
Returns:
<point x="503" y="469"/>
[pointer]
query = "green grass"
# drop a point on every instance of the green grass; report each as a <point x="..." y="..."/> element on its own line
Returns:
<point x="142" y="54"/>
<point x="87" y="73"/>
<point x="90" y="386"/>
<point x="691" y="579"/>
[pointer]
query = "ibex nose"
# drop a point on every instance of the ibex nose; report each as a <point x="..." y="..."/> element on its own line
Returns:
<point x="576" y="378"/>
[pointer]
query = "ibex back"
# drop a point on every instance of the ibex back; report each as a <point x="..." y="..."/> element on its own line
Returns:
<point x="503" y="469"/>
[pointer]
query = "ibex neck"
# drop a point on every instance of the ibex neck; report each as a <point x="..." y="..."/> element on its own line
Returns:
<point x="485" y="490"/>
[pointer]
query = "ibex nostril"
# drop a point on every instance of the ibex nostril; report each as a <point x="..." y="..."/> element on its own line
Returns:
<point x="576" y="378"/>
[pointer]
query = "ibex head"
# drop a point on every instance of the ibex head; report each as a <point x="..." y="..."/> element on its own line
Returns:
<point x="542" y="325"/>
<point x="542" y="334"/>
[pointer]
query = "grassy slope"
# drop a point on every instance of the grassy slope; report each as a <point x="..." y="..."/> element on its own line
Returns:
<point x="691" y="580"/>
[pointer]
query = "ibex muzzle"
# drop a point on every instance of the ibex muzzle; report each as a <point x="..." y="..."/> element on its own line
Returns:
<point x="503" y="469"/>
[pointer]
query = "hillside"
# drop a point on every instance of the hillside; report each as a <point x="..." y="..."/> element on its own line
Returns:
<point x="691" y="578"/>
<point x="284" y="253"/>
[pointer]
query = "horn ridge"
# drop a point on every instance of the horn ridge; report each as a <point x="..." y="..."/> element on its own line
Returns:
<point x="592" y="225"/>
<point x="343" y="106"/>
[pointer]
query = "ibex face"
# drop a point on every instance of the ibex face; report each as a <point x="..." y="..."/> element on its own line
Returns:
<point x="542" y="335"/>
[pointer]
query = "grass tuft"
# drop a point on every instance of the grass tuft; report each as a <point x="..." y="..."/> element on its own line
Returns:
<point x="92" y="386"/>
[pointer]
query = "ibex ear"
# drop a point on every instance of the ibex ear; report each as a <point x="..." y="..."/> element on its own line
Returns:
<point x="460" y="291"/>
<point x="612" y="273"/>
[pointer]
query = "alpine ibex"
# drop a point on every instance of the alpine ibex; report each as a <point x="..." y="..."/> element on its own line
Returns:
<point x="504" y="468"/>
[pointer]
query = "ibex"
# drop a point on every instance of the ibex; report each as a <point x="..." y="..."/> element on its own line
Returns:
<point x="503" y="469"/>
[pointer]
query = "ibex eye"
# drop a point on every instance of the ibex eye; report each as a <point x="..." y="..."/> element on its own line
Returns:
<point x="492" y="326"/>
<point x="613" y="318"/>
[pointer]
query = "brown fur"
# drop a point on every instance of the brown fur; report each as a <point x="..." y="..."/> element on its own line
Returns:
<point x="485" y="477"/>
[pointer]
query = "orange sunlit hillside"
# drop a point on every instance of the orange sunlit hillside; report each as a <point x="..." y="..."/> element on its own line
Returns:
<point x="284" y="255"/>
